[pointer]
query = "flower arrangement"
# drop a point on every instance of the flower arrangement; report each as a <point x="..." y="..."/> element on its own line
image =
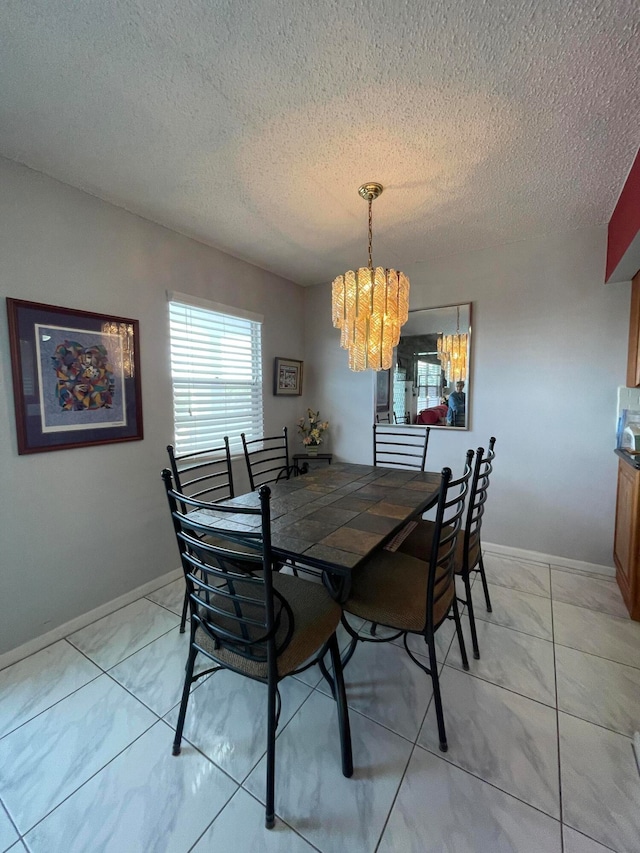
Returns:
<point x="311" y="428"/>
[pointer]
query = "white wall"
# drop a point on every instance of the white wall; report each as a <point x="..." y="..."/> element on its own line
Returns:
<point x="79" y="528"/>
<point x="549" y="350"/>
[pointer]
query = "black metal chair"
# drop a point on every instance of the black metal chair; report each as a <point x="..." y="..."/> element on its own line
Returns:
<point x="267" y="459"/>
<point x="403" y="419"/>
<point x="248" y="618"/>
<point x="468" y="556"/>
<point x="412" y="595"/>
<point x="383" y="419"/>
<point x="400" y="446"/>
<point x="204" y="474"/>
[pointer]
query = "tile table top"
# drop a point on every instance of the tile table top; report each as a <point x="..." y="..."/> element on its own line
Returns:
<point x="336" y="516"/>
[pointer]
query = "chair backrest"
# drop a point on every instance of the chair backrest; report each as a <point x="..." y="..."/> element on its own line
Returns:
<point x="400" y="446"/>
<point x="448" y="522"/>
<point x="205" y="474"/>
<point x="403" y="419"/>
<point x="383" y="419"/>
<point x="230" y="591"/>
<point x="482" y="470"/>
<point x="267" y="459"/>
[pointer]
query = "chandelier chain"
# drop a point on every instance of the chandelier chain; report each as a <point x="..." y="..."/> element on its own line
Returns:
<point x="370" y="233"/>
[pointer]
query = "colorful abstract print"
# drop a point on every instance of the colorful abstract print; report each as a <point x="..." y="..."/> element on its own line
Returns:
<point x="84" y="377"/>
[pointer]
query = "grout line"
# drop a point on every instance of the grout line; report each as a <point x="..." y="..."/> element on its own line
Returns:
<point x="10" y="819"/>
<point x="93" y="775"/>
<point x="393" y="802"/>
<point x="555" y="684"/>
<point x="592" y="723"/>
<point x="443" y="757"/>
<point x="595" y="841"/>
<point x="126" y="657"/>
<point x="512" y="628"/>
<point x="281" y="819"/>
<point x="501" y="686"/>
<point x="494" y="582"/>
<point x="594" y="655"/>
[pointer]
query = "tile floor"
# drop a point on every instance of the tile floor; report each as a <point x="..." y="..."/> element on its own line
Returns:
<point x="539" y="759"/>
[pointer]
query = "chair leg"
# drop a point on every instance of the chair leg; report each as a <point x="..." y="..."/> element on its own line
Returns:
<point x="463" y="648"/>
<point x="343" y="711"/>
<point x="185" y="608"/>
<point x="185" y="699"/>
<point x="437" y="697"/>
<point x="472" y="618"/>
<point x="270" y="817"/>
<point x="352" y="645"/>
<point x="484" y="585"/>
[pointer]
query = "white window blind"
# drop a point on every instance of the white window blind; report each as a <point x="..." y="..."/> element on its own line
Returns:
<point x="216" y="369"/>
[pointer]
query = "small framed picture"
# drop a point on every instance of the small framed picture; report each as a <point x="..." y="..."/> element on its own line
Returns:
<point x="76" y="377"/>
<point x="287" y="377"/>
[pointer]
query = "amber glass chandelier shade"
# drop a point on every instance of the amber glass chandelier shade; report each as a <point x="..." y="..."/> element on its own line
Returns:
<point x="452" y="352"/>
<point x="370" y="306"/>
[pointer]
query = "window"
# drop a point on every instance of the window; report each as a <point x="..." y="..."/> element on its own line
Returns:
<point x="216" y="370"/>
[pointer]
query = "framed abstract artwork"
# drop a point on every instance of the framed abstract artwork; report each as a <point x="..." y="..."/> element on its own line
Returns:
<point x="76" y="377"/>
<point x="287" y="377"/>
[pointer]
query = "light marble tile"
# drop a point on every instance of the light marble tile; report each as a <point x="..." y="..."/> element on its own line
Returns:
<point x="240" y="827"/>
<point x="595" y="593"/>
<point x="155" y="674"/>
<point x="597" y="633"/>
<point x="335" y="814"/>
<point x="442" y="809"/>
<point x="501" y="737"/>
<point x="18" y="847"/>
<point x="521" y="611"/>
<point x="585" y="573"/>
<point x="384" y="684"/>
<point x="8" y="832"/>
<point x="115" y="637"/>
<point x="511" y="659"/>
<point x="576" y="842"/>
<point x="600" y="785"/>
<point x="36" y="683"/>
<point x="445" y="638"/>
<point x="517" y="574"/>
<point x="227" y="719"/>
<point x="145" y="800"/>
<point x="600" y="691"/>
<point x="46" y="759"/>
<point x="170" y="596"/>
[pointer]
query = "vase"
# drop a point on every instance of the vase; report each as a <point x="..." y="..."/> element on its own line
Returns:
<point x="312" y="450"/>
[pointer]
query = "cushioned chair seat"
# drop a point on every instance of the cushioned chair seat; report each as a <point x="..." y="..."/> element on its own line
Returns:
<point x="315" y="615"/>
<point x="391" y="590"/>
<point x="418" y="544"/>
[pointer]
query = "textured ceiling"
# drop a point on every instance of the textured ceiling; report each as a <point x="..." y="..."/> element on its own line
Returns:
<point x="250" y="125"/>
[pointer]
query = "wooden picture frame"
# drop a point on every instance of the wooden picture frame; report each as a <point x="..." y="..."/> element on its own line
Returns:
<point x="287" y="377"/>
<point x="76" y="377"/>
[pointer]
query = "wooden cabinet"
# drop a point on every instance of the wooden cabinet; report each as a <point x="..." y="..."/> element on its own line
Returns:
<point x="626" y="547"/>
<point x="633" y="357"/>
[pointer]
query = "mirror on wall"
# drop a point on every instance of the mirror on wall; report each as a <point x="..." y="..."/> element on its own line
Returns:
<point x="429" y="381"/>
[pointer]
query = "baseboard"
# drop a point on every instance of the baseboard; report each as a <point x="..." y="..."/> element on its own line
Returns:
<point x="62" y="631"/>
<point x="548" y="559"/>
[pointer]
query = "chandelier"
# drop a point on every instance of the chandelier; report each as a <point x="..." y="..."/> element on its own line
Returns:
<point x="452" y="353"/>
<point x="370" y="306"/>
<point x="121" y="355"/>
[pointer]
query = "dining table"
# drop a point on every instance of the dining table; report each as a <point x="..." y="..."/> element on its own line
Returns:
<point x="332" y="519"/>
